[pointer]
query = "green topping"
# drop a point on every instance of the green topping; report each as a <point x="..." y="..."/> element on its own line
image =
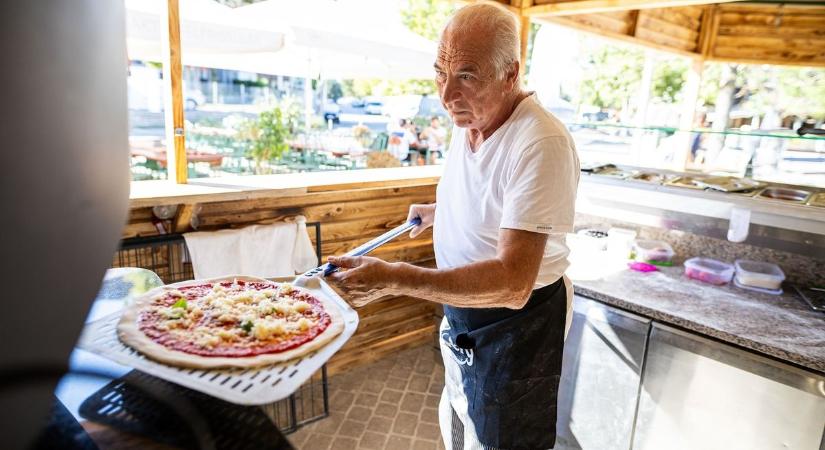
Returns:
<point x="180" y="304"/>
<point x="247" y="326"/>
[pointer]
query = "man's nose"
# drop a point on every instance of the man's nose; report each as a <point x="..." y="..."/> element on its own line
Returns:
<point x="449" y="91"/>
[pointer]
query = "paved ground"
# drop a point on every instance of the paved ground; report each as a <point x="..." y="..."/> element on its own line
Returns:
<point x="389" y="404"/>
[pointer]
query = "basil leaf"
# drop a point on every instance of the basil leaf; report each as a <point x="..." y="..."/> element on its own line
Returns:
<point x="180" y="304"/>
<point x="247" y="326"/>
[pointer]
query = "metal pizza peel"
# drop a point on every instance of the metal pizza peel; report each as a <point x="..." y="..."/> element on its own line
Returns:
<point x="311" y="277"/>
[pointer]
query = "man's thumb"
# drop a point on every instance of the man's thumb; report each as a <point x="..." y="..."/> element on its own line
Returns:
<point x="415" y="232"/>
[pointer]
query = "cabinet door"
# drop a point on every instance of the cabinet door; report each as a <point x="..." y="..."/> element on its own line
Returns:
<point x="700" y="394"/>
<point x="599" y="384"/>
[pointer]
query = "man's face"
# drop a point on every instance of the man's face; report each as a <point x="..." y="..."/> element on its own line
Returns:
<point x="467" y="83"/>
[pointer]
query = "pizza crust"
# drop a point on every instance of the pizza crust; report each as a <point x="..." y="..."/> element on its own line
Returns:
<point x="131" y="335"/>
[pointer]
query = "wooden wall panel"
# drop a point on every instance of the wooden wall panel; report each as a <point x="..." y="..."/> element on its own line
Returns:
<point x="771" y="34"/>
<point x="674" y="27"/>
<point x="348" y="218"/>
<point x="748" y="33"/>
<point x="609" y="22"/>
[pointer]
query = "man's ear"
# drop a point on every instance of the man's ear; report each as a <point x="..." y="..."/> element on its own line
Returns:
<point x="512" y="74"/>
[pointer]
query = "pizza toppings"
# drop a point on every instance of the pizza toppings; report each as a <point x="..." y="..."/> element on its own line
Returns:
<point x="233" y="318"/>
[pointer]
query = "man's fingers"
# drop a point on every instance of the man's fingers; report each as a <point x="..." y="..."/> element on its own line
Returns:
<point x="346" y="262"/>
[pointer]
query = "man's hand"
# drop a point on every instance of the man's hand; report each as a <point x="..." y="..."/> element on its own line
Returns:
<point x="362" y="279"/>
<point x="427" y="215"/>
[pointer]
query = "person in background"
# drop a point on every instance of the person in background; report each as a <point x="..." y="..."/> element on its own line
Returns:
<point x="400" y="140"/>
<point x="435" y="136"/>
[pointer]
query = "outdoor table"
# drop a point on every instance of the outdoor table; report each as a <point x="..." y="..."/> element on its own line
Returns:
<point x="159" y="155"/>
<point x="204" y="422"/>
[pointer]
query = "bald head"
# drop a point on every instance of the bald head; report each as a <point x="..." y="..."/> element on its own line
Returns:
<point x="477" y="68"/>
<point x="491" y="28"/>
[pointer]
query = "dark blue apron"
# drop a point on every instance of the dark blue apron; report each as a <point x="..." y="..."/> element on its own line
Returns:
<point x="512" y="383"/>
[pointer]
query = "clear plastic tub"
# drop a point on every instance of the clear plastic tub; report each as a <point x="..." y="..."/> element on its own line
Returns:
<point x="649" y="250"/>
<point x="709" y="270"/>
<point x="757" y="274"/>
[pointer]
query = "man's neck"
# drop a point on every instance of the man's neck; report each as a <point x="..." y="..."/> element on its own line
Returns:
<point x="477" y="136"/>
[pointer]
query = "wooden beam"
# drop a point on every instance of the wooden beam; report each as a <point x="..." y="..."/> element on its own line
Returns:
<point x="634" y="22"/>
<point x="708" y="30"/>
<point x="572" y="7"/>
<point x="567" y="22"/>
<point x="525" y="39"/>
<point x="176" y="165"/>
<point x="521" y="4"/>
<point x="776" y="60"/>
<point x="183" y="218"/>
<point x="506" y="6"/>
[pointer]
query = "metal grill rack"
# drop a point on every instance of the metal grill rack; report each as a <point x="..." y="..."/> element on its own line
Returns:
<point x="142" y="404"/>
<point x="168" y="257"/>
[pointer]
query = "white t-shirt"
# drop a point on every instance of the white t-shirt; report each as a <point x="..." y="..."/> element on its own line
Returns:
<point x="524" y="176"/>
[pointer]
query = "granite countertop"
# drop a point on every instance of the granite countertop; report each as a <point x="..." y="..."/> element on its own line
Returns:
<point x="783" y="327"/>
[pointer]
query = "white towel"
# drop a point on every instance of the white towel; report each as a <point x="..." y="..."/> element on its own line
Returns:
<point x="281" y="249"/>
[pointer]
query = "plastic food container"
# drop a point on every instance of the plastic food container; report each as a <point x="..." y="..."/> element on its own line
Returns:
<point x="593" y="239"/>
<point x="649" y="250"/>
<point x="756" y="274"/>
<point x="709" y="270"/>
<point x="620" y="242"/>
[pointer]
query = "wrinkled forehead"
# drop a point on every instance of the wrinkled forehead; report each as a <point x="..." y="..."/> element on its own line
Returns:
<point x="462" y="46"/>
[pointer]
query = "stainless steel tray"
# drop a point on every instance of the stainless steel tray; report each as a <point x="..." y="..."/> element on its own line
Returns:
<point x="730" y="184"/>
<point x="653" y="177"/>
<point x="689" y="182"/>
<point x="817" y="199"/>
<point x="781" y="194"/>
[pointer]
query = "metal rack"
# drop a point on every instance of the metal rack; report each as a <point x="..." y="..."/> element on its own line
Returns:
<point x="168" y="257"/>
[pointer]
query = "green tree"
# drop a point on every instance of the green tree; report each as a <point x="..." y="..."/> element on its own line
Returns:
<point x="798" y="91"/>
<point x="669" y="77"/>
<point x="268" y="136"/>
<point x="427" y="17"/>
<point x="335" y="91"/>
<point x="611" y="76"/>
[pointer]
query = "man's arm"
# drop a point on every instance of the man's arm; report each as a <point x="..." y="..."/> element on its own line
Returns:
<point x="504" y="281"/>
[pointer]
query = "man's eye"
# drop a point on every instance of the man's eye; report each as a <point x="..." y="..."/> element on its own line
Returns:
<point x="465" y="76"/>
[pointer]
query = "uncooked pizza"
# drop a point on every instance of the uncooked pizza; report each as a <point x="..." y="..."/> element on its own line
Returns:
<point x="229" y="322"/>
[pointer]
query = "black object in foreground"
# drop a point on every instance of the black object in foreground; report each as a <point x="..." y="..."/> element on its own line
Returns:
<point x="142" y="404"/>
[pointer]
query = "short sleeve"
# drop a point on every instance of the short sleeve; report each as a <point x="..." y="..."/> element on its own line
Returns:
<point x="540" y="195"/>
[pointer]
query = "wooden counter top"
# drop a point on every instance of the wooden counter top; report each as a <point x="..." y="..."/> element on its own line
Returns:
<point x="203" y="190"/>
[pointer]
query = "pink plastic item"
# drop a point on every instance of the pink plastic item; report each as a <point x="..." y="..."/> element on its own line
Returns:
<point x="642" y="266"/>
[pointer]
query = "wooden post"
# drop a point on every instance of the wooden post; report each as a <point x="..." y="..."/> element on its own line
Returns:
<point x="176" y="164"/>
<point x="688" y="111"/>
<point x="525" y="39"/>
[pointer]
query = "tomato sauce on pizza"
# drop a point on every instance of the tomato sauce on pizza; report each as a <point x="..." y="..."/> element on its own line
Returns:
<point x="233" y="318"/>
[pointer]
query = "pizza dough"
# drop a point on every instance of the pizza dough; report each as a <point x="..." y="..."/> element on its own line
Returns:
<point x="131" y="334"/>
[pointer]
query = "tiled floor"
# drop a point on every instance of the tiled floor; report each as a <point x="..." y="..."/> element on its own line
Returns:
<point x="389" y="404"/>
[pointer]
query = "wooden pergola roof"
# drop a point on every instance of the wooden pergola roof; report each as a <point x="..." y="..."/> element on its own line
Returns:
<point x="763" y="32"/>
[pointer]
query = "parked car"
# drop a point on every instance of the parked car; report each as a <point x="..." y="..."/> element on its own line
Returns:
<point x="193" y="98"/>
<point x="354" y="102"/>
<point x="374" y="106"/>
<point x="431" y="106"/>
<point x="332" y="112"/>
<point x="404" y="106"/>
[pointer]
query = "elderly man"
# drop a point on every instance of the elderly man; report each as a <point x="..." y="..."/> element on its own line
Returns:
<point x="503" y="204"/>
